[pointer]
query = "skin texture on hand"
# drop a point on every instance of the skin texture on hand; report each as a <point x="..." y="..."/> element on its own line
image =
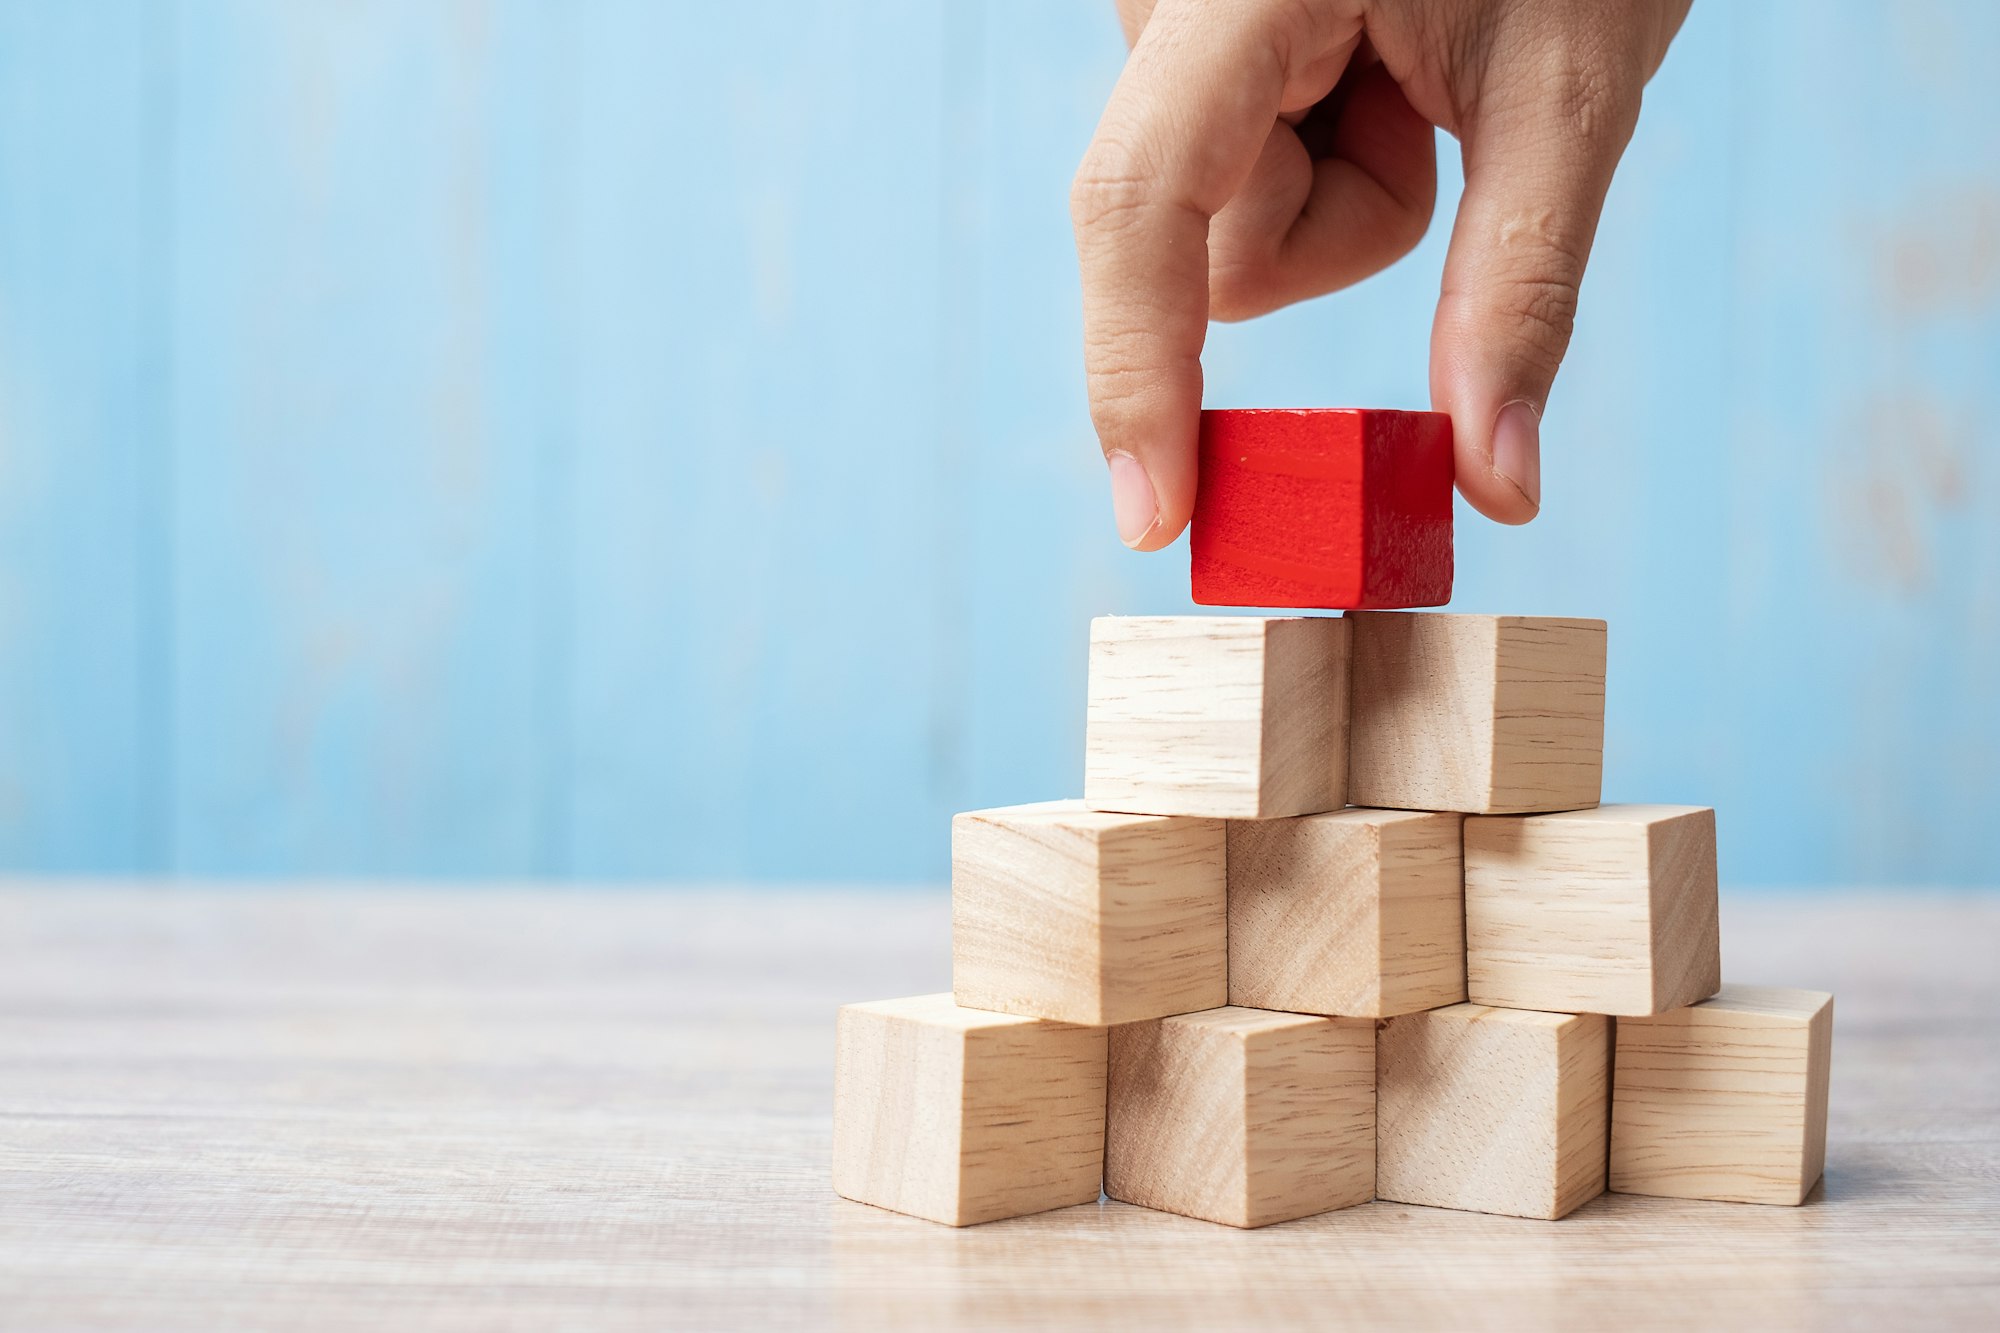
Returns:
<point x="1259" y="152"/>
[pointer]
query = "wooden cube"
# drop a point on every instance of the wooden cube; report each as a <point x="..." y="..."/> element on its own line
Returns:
<point x="1604" y="911"/>
<point x="963" y="1116"/>
<point x="1241" y="1116"/>
<point x="1062" y="912"/>
<point x="1235" y="717"/>
<point x="1357" y="912"/>
<point x="1329" y="507"/>
<point x="1481" y="714"/>
<point x="1725" y="1099"/>
<point x="1492" y="1110"/>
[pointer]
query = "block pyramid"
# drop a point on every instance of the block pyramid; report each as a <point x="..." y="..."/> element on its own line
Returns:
<point x="1339" y="916"/>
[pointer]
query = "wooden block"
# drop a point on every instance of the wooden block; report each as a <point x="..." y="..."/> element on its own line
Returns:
<point x="1235" y="717"/>
<point x="1604" y="911"/>
<point x="1725" y="1099"/>
<point x="1242" y="1116"/>
<point x="963" y="1116"/>
<point x="1058" y="911"/>
<point x="1492" y="1110"/>
<point x="1357" y="912"/>
<point x="1328" y="507"/>
<point x="1482" y="714"/>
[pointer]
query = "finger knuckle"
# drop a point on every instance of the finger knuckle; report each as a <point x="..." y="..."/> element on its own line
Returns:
<point x="1589" y="99"/>
<point x="1126" y="388"/>
<point x="1120" y="396"/>
<point x="1539" y="312"/>
<point x="1112" y="188"/>
<point x="1587" y="77"/>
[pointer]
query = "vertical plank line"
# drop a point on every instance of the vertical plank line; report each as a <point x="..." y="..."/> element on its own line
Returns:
<point x="961" y="182"/>
<point x="156" y="532"/>
<point x="556" y="618"/>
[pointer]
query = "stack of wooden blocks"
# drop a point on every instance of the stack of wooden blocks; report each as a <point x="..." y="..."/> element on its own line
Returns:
<point x="1338" y="918"/>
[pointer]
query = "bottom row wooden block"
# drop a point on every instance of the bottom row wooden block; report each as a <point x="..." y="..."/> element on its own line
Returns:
<point x="961" y="1115"/>
<point x="1242" y="1116"/>
<point x="1725" y="1099"/>
<point x="1248" y="1116"/>
<point x="1493" y="1110"/>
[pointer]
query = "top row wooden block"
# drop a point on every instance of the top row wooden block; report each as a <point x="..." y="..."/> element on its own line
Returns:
<point x="1487" y="715"/>
<point x="1338" y="508"/>
<point x="1228" y="717"/>
<point x="1250" y="717"/>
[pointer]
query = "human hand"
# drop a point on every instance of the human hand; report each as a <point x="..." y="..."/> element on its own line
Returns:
<point x="1260" y="152"/>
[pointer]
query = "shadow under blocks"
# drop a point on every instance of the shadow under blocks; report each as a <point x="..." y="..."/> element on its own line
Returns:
<point x="1338" y="916"/>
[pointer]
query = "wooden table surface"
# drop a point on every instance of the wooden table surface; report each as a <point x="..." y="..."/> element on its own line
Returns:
<point x="280" y="1108"/>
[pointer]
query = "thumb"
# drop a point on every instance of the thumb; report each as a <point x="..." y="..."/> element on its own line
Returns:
<point x="1540" y="149"/>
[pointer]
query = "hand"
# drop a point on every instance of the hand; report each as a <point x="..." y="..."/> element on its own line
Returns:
<point x="1259" y="152"/>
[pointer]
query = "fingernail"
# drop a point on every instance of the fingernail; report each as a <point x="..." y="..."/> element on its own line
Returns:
<point x="1132" y="501"/>
<point x="1517" y="449"/>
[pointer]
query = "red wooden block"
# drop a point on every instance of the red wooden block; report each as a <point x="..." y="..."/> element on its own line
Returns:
<point x="1344" y="508"/>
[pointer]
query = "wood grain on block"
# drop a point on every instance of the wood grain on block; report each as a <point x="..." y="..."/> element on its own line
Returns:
<point x="1492" y="1110"/>
<point x="963" y="1116"/>
<point x="1235" y="717"/>
<point x="1725" y="1099"/>
<point x="1357" y="912"/>
<point x="1241" y="1116"/>
<point x="1481" y="714"/>
<point x="1062" y="912"/>
<point x="1605" y="911"/>
<point x="1326" y="507"/>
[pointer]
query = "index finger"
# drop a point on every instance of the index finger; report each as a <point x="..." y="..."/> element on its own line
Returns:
<point x="1183" y="128"/>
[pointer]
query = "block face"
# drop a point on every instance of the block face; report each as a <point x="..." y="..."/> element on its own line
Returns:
<point x="1232" y="717"/>
<point x="1241" y="1116"/>
<point x="1479" y="714"/>
<point x="1166" y="1084"/>
<point x="961" y="1116"/>
<point x="1548" y="743"/>
<point x="1066" y="913"/>
<point x="1354" y="912"/>
<point x="1610" y="910"/>
<point x="1304" y="727"/>
<point x="896" y="1097"/>
<point x="1686" y="908"/>
<point x="1336" y="508"/>
<point x="1309" y="1107"/>
<point x="1492" y="1110"/>
<point x="1031" y="1135"/>
<point x="1725" y="1099"/>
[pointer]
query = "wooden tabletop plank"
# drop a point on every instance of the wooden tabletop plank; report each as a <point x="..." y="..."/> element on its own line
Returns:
<point x="530" y="1109"/>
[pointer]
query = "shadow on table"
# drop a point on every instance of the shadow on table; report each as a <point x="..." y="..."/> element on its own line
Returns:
<point x="1618" y="1259"/>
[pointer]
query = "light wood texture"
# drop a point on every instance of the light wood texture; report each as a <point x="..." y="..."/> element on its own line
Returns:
<point x="1493" y="1110"/>
<point x="1239" y="717"/>
<point x="963" y="1116"/>
<point x="481" y="1110"/>
<point x="1357" y="912"/>
<point x="1724" y="1100"/>
<point x="1242" y="1116"/>
<point x="1059" y="911"/>
<point x="1604" y="911"/>
<point x="1481" y="714"/>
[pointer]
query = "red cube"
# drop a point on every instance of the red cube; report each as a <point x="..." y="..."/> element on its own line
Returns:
<point x="1346" y="508"/>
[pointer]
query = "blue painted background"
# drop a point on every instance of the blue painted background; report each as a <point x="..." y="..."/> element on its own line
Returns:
<point x="647" y="440"/>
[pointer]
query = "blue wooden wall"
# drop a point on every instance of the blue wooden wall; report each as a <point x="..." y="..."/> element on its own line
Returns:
<point x="646" y="440"/>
